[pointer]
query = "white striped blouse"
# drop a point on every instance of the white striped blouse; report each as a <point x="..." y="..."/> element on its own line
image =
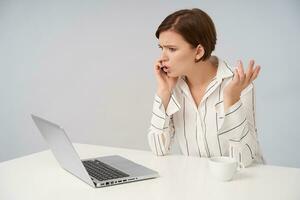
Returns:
<point x="206" y="131"/>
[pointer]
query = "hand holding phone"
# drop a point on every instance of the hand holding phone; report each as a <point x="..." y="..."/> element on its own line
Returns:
<point x="165" y="82"/>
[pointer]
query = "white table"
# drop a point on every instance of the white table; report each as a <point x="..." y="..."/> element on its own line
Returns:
<point x="39" y="176"/>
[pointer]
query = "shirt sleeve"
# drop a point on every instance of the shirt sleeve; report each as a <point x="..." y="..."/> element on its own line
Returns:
<point x="239" y="129"/>
<point x="161" y="131"/>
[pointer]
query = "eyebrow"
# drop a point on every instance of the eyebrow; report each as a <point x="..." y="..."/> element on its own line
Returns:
<point x="166" y="45"/>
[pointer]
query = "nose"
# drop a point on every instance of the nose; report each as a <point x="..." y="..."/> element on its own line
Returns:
<point x="163" y="56"/>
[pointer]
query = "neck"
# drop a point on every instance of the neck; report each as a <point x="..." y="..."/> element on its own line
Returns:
<point x="201" y="74"/>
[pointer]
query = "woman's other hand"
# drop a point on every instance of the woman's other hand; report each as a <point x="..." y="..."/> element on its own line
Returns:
<point x="240" y="81"/>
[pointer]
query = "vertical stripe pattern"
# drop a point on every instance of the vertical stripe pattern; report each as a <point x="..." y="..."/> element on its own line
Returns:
<point x="208" y="130"/>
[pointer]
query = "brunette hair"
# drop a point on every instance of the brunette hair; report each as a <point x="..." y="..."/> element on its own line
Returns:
<point x="195" y="26"/>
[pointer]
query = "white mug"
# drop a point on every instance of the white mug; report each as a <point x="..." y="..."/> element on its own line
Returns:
<point x="223" y="168"/>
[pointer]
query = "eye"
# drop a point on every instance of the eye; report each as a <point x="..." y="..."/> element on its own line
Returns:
<point x="172" y="49"/>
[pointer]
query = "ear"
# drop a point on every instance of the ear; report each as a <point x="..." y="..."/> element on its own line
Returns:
<point x="199" y="52"/>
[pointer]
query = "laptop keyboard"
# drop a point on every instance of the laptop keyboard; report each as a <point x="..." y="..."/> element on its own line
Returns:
<point x="102" y="171"/>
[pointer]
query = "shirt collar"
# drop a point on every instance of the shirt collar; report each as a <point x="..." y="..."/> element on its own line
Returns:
<point x="224" y="71"/>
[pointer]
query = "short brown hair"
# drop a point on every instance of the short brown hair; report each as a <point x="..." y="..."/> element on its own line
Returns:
<point x="195" y="26"/>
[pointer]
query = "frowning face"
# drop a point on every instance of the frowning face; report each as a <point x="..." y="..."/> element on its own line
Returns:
<point x="177" y="55"/>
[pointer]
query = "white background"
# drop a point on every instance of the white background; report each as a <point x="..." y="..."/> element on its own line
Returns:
<point x="87" y="65"/>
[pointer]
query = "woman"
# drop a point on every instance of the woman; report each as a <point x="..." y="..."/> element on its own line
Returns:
<point x="200" y="100"/>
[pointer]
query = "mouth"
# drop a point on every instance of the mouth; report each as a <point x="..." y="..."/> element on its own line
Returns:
<point x="165" y="69"/>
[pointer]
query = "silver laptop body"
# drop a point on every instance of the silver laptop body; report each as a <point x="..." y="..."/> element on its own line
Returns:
<point x="68" y="159"/>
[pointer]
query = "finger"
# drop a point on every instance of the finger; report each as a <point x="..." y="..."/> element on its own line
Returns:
<point x="158" y="65"/>
<point x="251" y="63"/>
<point x="157" y="71"/>
<point x="161" y="64"/>
<point x="157" y="68"/>
<point x="241" y="72"/>
<point x="158" y="62"/>
<point x="255" y="73"/>
<point x="249" y="71"/>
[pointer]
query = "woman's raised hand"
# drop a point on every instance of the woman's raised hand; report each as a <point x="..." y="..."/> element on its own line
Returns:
<point x="240" y="81"/>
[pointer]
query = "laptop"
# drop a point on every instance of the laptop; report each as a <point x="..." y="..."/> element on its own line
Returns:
<point x="97" y="172"/>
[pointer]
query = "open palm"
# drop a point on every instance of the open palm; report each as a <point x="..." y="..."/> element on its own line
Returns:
<point x="240" y="81"/>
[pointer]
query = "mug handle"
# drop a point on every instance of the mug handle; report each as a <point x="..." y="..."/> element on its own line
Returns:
<point x="240" y="164"/>
<point x="239" y="161"/>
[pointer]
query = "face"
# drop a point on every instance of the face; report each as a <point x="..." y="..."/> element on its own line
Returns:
<point x="177" y="55"/>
